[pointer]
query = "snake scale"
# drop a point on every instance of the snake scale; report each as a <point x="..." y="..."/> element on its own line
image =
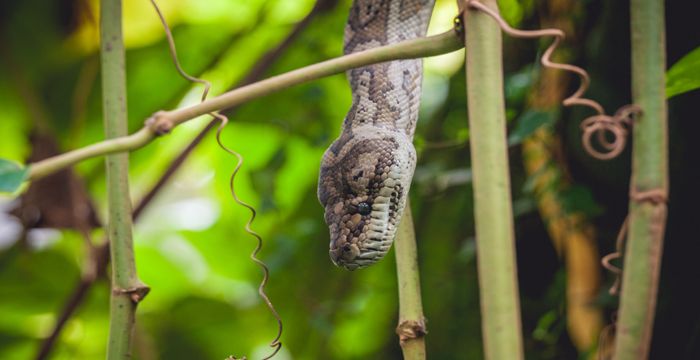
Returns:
<point x="366" y="172"/>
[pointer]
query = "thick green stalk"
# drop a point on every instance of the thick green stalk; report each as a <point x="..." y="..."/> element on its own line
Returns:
<point x="411" y="328"/>
<point x="500" y="304"/>
<point x="127" y="290"/>
<point x="649" y="183"/>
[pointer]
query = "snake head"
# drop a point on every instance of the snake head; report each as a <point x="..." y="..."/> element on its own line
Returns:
<point x="363" y="186"/>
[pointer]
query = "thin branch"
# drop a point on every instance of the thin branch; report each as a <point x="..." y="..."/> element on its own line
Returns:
<point x="131" y="142"/>
<point x="162" y="122"/>
<point x="411" y="328"/>
<point x="171" y="170"/>
<point x="99" y="261"/>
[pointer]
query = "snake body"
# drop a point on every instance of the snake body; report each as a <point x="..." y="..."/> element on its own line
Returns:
<point x="366" y="172"/>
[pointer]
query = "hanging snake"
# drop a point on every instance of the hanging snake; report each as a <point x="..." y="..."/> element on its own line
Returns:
<point x="366" y="172"/>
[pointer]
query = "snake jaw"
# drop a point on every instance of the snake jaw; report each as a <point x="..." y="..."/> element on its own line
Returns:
<point x="363" y="194"/>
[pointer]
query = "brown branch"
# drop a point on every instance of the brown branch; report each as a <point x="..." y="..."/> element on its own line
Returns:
<point x="100" y="255"/>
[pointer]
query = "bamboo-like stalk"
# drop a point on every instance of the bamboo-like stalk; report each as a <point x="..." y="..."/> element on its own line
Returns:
<point x="411" y="328"/>
<point x="495" y="245"/>
<point x="165" y="120"/>
<point x="127" y="290"/>
<point x="649" y="183"/>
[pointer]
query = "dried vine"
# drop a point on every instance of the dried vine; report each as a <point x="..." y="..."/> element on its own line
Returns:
<point x="600" y="124"/>
<point x="275" y="343"/>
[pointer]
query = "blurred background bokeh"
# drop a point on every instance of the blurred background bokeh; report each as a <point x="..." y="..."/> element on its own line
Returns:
<point x="191" y="248"/>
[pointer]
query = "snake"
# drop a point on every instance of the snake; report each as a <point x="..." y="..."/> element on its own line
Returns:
<point x="366" y="172"/>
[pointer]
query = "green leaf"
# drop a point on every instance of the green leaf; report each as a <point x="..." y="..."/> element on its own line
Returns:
<point x="11" y="175"/>
<point x="518" y="86"/>
<point x="579" y="199"/>
<point x="684" y="75"/>
<point x="512" y="11"/>
<point x="527" y="124"/>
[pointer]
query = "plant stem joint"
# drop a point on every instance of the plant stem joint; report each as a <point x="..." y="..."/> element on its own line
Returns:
<point x="159" y="123"/>
<point x="136" y="293"/>
<point x="411" y="329"/>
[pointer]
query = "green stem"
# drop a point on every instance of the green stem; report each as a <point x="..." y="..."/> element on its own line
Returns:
<point x="500" y="306"/>
<point x="127" y="290"/>
<point x="411" y="328"/>
<point x="649" y="183"/>
<point x="116" y="145"/>
<point x="165" y="120"/>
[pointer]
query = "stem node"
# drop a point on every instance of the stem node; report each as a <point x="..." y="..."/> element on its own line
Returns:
<point x="159" y="123"/>
<point x="136" y="293"/>
<point x="411" y="329"/>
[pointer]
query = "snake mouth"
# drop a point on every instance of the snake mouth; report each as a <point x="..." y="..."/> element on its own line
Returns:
<point x="351" y="257"/>
<point x="374" y="242"/>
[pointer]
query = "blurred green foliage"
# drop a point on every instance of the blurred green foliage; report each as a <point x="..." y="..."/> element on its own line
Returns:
<point x="191" y="248"/>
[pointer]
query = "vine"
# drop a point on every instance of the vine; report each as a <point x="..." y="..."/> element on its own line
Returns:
<point x="275" y="343"/>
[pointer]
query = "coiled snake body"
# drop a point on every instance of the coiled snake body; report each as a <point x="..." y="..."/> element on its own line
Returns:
<point x="366" y="173"/>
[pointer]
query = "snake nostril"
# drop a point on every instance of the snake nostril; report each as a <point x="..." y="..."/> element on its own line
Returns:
<point x="347" y="252"/>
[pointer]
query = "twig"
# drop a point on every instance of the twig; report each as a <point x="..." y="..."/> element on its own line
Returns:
<point x="99" y="261"/>
<point x="411" y="328"/>
<point x="164" y="121"/>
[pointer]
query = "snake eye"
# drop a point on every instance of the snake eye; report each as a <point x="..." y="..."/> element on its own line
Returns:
<point x="363" y="208"/>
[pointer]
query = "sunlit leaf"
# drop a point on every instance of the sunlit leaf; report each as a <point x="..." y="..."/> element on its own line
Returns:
<point x="684" y="75"/>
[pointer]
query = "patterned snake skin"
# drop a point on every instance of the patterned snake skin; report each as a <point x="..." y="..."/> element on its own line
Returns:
<point x="366" y="173"/>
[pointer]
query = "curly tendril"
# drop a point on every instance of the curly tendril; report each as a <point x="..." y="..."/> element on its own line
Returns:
<point x="600" y="125"/>
<point x="275" y="343"/>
